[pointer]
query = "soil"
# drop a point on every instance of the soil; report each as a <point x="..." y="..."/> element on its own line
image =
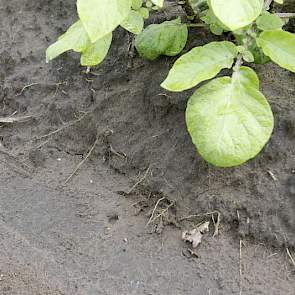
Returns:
<point x="115" y="226"/>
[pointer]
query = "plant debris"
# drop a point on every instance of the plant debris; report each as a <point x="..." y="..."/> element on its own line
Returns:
<point x="195" y="236"/>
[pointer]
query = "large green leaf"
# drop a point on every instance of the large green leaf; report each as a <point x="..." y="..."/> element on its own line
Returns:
<point x="75" y="38"/>
<point x="229" y="120"/>
<point x="236" y="14"/>
<point x="100" y="17"/>
<point x="200" y="64"/>
<point x="167" y="38"/>
<point x="134" y="22"/>
<point x="96" y="52"/>
<point x="280" y="47"/>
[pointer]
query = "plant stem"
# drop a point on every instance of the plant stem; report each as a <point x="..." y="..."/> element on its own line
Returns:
<point x="267" y="4"/>
<point x="238" y="63"/>
<point x="286" y="15"/>
<point x="196" y="25"/>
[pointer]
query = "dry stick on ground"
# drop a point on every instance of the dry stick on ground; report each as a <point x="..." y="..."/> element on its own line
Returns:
<point x="83" y="161"/>
<point x="216" y="224"/>
<point x="291" y="257"/>
<point x="162" y="212"/>
<point x="6" y="120"/>
<point x="154" y="210"/>
<point x="240" y="267"/>
<point x="139" y="181"/>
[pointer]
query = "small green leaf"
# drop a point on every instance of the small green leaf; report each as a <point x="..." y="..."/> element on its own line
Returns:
<point x="229" y="119"/>
<point x="279" y="1"/>
<point x="216" y="30"/>
<point x="75" y="38"/>
<point x="280" y="47"/>
<point x="133" y="23"/>
<point x="144" y="12"/>
<point x="248" y="56"/>
<point x="200" y="64"/>
<point x="236" y="14"/>
<point x="97" y="51"/>
<point x="136" y="4"/>
<point x="159" y="3"/>
<point x="268" y="21"/>
<point x="100" y="17"/>
<point x="198" y="5"/>
<point x="167" y="38"/>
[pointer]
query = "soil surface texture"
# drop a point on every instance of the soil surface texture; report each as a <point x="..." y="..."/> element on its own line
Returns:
<point x="114" y="226"/>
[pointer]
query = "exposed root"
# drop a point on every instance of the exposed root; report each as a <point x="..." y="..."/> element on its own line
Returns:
<point x="154" y="210"/>
<point x="161" y="213"/>
<point x="64" y="127"/>
<point x="140" y="181"/>
<point x="83" y="161"/>
<point x="26" y="87"/>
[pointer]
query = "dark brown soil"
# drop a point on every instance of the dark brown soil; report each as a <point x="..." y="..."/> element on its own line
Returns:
<point x="89" y="236"/>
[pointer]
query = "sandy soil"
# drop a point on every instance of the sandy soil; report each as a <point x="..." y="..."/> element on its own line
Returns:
<point x="90" y="235"/>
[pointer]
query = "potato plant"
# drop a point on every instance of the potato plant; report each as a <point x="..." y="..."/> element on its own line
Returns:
<point x="228" y="118"/>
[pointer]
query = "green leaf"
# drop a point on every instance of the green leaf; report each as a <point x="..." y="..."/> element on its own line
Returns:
<point x="236" y="14"/>
<point x="210" y="19"/>
<point x="136" y="4"/>
<point x="247" y="76"/>
<point x="279" y="1"/>
<point x="229" y="120"/>
<point x="248" y="56"/>
<point x="75" y="38"/>
<point x="133" y="23"/>
<point x="280" y="47"/>
<point x="167" y="38"/>
<point x="100" y="17"/>
<point x="200" y="64"/>
<point x="97" y="51"/>
<point x="216" y="30"/>
<point x="268" y="21"/>
<point x="144" y="12"/>
<point x="159" y="3"/>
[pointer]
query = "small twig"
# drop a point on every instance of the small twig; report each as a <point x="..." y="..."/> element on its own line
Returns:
<point x="154" y="210"/>
<point x="82" y="162"/>
<point x="161" y="214"/>
<point x="198" y="215"/>
<point x="139" y="181"/>
<point x="216" y="224"/>
<point x="290" y="256"/>
<point x="25" y="87"/>
<point x="286" y="15"/>
<point x="6" y="120"/>
<point x="272" y="175"/>
<point x="240" y="267"/>
<point x="63" y="127"/>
